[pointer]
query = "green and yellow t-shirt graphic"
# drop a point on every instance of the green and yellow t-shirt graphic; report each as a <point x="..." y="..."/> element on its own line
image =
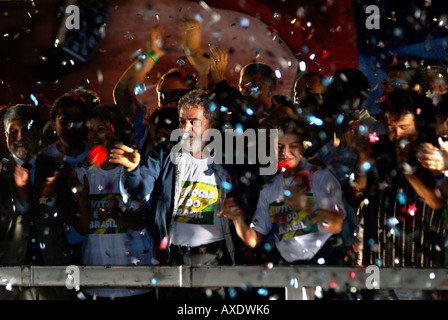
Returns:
<point x="290" y="222"/>
<point x="98" y="224"/>
<point x="197" y="202"/>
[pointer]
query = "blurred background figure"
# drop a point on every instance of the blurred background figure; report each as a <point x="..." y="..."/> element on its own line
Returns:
<point x="308" y="83"/>
<point x="435" y="82"/>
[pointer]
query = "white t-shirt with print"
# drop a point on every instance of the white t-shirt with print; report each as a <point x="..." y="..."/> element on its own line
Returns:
<point x="195" y="221"/>
<point x="296" y="237"/>
<point x="108" y="242"/>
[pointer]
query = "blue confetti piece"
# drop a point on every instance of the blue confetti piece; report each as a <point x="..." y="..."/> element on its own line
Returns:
<point x="392" y="221"/>
<point x="267" y="246"/>
<point x="401" y="197"/>
<point x="33" y="97"/>
<point x="226" y="185"/>
<point x="139" y="89"/>
<point x="262" y="292"/>
<point x="249" y="111"/>
<point x="366" y="166"/>
<point x="239" y="127"/>
<point x="327" y="81"/>
<point x="254" y="91"/>
<point x="212" y="107"/>
<point x="244" y="22"/>
<point x="315" y="120"/>
<point x="232" y="292"/>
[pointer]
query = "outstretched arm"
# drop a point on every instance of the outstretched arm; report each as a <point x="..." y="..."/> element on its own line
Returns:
<point x="136" y="73"/>
<point x="419" y="177"/>
<point x="140" y="177"/>
<point x="125" y="156"/>
<point x="191" y="43"/>
<point x="233" y="212"/>
<point x="434" y="160"/>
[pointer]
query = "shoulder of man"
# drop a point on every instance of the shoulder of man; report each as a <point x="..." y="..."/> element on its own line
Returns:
<point x="7" y="164"/>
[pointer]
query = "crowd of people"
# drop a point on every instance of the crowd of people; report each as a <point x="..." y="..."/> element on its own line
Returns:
<point x="107" y="185"/>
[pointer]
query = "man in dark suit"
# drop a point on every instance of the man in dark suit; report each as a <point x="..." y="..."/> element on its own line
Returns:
<point x="35" y="205"/>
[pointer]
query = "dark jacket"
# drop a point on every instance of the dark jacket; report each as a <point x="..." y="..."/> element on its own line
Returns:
<point x="157" y="177"/>
<point x="51" y="215"/>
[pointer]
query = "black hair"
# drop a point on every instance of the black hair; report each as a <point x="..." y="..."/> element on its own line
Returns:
<point x="190" y="80"/>
<point x="347" y="84"/>
<point x="413" y="76"/>
<point x="163" y="117"/>
<point x="297" y="125"/>
<point x="123" y="128"/>
<point x="85" y="100"/>
<point x="402" y="102"/>
<point x="307" y="76"/>
<point x="266" y="72"/>
<point x="433" y="74"/>
<point x="200" y="98"/>
<point x="442" y="109"/>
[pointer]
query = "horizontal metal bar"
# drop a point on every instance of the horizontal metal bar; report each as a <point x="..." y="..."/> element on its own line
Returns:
<point x="228" y="276"/>
<point x="310" y="276"/>
<point x="98" y="276"/>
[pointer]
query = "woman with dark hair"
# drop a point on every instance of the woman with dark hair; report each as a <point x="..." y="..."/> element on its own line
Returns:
<point x="301" y="206"/>
<point x="115" y="228"/>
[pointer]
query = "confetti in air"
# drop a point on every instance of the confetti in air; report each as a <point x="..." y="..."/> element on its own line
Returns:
<point x="373" y="137"/>
<point x="412" y="209"/>
<point x="97" y="155"/>
<point x="34" y="99"/>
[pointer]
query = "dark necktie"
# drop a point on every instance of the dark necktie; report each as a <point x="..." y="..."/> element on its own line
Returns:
<point x="27" y="165"/>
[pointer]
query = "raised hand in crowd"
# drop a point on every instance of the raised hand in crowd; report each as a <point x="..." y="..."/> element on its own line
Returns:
<point x="126" y="156"/>
<point x="433" y="158"/>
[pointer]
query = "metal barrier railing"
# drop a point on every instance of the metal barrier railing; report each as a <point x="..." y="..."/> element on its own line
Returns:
<point x="295" y="279"/>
